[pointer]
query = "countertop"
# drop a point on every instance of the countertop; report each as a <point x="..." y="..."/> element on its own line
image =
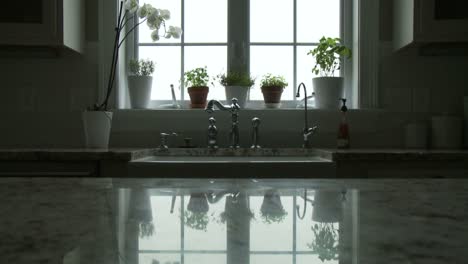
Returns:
<point x="129" y="154"/>
<point x="75" y="154"/>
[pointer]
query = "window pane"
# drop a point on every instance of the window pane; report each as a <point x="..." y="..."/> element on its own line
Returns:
<point x="317" y="18"/>
<point x="206" y="21"/>
<point x="270" y="259"/>
<point x="166" y="226"/>
<point x="167" y="70"/>
<point x="204" y="258"/>
<point x="215" y="58"/>
<point x="271" y="21"/>
<point x="271" y="236"/>
<point x="144" y="34"/>
<point x="213" y="237"/>
<point x="305" y="63"/>
<point x="161" y="258"/>
<point x="277" y="60"/>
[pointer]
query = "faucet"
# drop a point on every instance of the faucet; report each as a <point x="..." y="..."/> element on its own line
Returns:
<point x="255" y="133"/>
<point x="307" y="130"/>
<point x="234" y="109"/>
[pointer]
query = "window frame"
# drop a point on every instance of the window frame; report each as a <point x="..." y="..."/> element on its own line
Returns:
<point x="241" y="38"/>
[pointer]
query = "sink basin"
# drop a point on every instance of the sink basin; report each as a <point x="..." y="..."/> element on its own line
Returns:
<point x="233" y="163"/>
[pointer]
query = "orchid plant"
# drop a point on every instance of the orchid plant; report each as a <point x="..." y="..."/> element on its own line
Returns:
<point x="155" y="20"/>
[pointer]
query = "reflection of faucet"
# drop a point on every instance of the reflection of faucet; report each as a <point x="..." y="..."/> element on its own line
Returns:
<point x="234" y="109"/>
<point x="255" y="133"/>
<point x="307" y="131"/>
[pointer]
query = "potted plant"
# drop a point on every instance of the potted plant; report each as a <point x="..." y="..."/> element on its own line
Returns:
<point x="272" y="210"/>
<point x="237" y="85"/>
<point x="328" y="56"/>
<point x="272" y="88"/>
<point x="140" y="82"/>
<point x="328" y="206"/>
<point x="197" y="82"/>
<point x="97" y="119"/>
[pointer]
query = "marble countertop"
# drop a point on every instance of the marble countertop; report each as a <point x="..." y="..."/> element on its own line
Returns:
<point x="76" y="154"/>
<point x="129" y="154"/>
<point x="393" y="155"/>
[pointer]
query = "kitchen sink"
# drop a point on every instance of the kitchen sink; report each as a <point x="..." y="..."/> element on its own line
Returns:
<point x="233" y="163"/>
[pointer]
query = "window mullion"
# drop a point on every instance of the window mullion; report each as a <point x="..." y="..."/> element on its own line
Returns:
<point x="238" y="35"/>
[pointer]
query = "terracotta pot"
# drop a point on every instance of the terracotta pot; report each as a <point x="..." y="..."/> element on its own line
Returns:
<point x="272" y="96"/>
<point x="198" y="96"/>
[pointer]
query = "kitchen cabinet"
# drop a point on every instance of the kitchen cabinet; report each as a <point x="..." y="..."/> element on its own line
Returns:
<point x="43" y="23"/>
<point x="420" y="22"/>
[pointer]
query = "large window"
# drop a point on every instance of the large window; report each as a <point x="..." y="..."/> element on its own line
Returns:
<point x="276" y="40"/>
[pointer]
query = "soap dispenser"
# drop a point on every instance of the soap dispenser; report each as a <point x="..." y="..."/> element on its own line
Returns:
<point x="343" y="129"/>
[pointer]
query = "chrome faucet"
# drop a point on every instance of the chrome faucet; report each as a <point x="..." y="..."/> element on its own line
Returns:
<point x="234" y="109"/>
<point x="308" y="131"/>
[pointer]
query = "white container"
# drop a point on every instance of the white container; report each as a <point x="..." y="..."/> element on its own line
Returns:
<point x="238" y="92"/>
<point x="328" y="206"/>
<point x="139" y="88"/>
<point x="328" y="92"/>
<point x="446" y="132"/>
<point x="97" y="128"/>
<point x="416" y="136"/>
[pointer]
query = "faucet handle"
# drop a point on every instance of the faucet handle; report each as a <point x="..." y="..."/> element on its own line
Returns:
<point x="163" y="139"/>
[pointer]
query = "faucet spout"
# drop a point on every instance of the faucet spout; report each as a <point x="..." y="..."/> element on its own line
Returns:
<point x="307" y="131"/>
<point x="210" y="107"/>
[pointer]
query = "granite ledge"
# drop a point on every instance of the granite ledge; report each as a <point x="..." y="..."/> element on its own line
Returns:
<point x="81" y="154"/>
<point x="374" y="155"/>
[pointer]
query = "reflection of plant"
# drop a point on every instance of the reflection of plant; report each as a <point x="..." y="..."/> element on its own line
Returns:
<point x="224" y="216"/>
<point x="272" y="210"/>
<point x="146" y="229"/>
<point x="326" y="241"/>
<point x="196" y="220"/>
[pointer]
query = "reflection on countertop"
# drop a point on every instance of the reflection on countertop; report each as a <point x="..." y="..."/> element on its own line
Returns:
<point x="148" y="221"/>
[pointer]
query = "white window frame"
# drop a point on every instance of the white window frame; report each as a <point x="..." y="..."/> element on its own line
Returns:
<point x="359" y="32"/>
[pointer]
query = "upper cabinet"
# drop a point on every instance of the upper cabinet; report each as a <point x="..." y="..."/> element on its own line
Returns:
<point x="419" y="22"/>
<point x="43" y="23"/>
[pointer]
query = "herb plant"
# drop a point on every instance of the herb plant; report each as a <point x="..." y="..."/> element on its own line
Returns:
<point x="270" y="80"/>
<point x="236" y="79"/>
<point x="196" y="220"/>
<point x="328" y="56"/>
<point x="141" y="67"/>
<point x="197" y="77"/>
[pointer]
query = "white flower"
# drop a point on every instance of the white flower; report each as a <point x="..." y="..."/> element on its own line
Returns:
<point x="153" y="19"/>
<point x="155" y="35"/>
<point x="131" y="6"/>
<point x="165" y="14"/>
<point x="143" y="11"/>
<point x="174" y="32"/>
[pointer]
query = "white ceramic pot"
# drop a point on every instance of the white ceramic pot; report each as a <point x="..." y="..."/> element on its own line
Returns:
<point x="328" y="92"/>
<point x="328" y="206"/>
<point x="140" y="90"/>
<point x="239" y="92"/>
<point x="97" y="128"/>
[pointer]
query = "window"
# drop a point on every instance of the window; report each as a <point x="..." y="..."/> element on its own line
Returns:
<point x="276" y="39"/>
